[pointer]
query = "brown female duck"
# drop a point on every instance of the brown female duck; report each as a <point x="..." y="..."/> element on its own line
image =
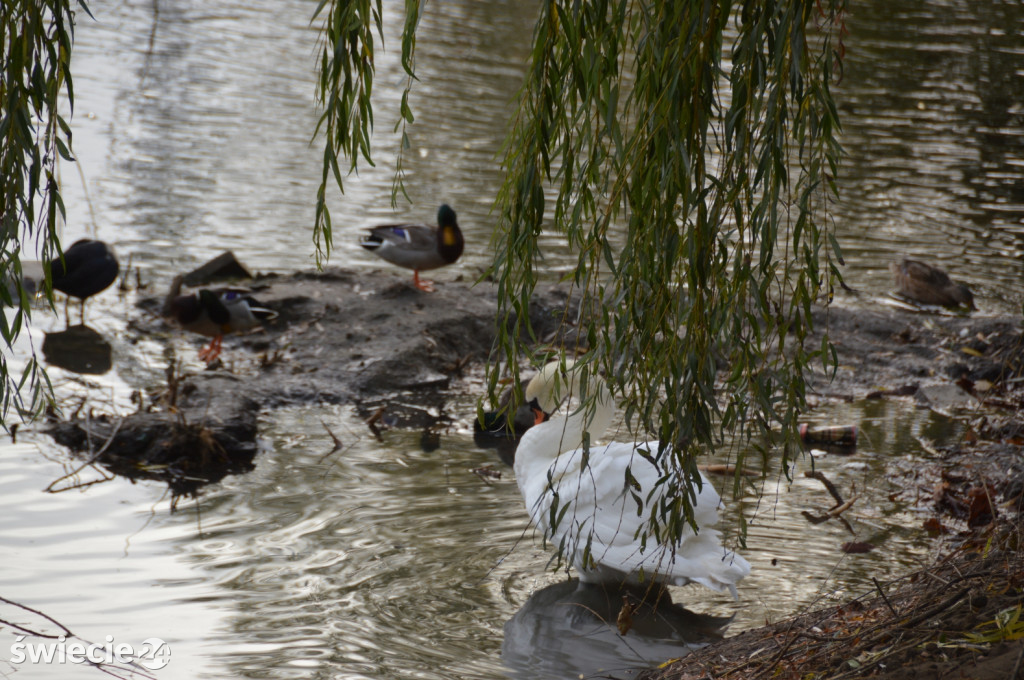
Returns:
<point x="929" y="285"/>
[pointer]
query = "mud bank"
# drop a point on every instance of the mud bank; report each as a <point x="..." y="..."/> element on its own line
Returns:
<point x="374" y="341"/>
<point x="367" y="339"/>
<point x="958" y="617"/>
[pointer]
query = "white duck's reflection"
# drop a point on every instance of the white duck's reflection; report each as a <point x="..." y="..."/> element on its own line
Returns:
<point x="570" y="630"/>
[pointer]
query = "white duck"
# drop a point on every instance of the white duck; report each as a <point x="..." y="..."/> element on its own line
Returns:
<point x="601" y="512"/>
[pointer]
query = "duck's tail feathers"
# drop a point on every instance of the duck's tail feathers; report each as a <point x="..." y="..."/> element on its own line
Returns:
<point x="371" y="242"/>
<point x="263" y="314"/>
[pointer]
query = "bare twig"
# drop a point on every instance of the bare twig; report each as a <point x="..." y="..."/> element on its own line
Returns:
<point x="834" y="513"/>
<point x="486" y="474"/>
<point x="338" y="446"/>
<point x="945" y="604"/>
<point x="93" y="459"/>
<point x="885" y="598"/>
<point x="372" y="421"/>
<point x="727" y="470"/>
<point x="840" y="509"/>
<point x="28" y="631"/>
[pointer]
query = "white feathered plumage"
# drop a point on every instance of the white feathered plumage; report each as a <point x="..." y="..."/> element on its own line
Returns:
<point x="601" y="511"/>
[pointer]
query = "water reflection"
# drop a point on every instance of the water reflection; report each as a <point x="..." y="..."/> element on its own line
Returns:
<point x="569" y="629"/>
<point x="502" y="443"/>
<point x="198" y="136"/>
<point x="79" y="349"/>
<point x="930" y="100"/>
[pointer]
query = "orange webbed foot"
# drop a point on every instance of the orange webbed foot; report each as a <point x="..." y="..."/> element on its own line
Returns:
<point x="426" y="286"/>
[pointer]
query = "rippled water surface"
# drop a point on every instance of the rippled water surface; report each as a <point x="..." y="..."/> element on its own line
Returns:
<point x="383" y="560"/>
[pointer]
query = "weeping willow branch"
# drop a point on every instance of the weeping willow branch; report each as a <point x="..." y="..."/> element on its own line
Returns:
<point x="687" y="151"/>
<point x="344" y="92"/>
<point x="36" y="38"/>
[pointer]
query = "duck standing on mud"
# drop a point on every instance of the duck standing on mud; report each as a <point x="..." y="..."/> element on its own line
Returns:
<point x="213" y="314"/>
<point x="929" y="285"/>
<point x="87" y="268"/>
<point x="418" y="247"/>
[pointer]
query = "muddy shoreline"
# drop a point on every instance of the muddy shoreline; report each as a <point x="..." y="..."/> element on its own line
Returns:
<point x="372" y="340"/>
<point x="369" y="339"/>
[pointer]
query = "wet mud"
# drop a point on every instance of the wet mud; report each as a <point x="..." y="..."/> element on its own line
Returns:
<point x="374" y="341"/>
<point x="370" y="339"/>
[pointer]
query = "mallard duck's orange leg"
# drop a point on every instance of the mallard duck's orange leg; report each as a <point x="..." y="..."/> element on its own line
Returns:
<point x="208" y="354"/>
<point x="427" y="286"/>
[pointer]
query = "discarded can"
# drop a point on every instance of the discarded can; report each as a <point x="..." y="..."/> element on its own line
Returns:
<point x="840" y="435"/>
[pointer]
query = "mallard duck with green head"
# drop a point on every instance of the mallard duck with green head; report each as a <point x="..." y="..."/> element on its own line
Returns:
<point x="213" y="313"/>
<point x="418" y="247"/>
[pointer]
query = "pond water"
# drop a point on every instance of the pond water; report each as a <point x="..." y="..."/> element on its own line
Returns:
<point x="192" y="126"/>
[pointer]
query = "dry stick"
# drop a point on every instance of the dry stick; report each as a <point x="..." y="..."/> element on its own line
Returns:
<point x="863" y="634"/>
<point x="89" y="462"/>
<point x="840" y="509"/>
<point x="834" y="513"/>
<point x="337" y="442"/>
<point x="372" y="421"/>
<point x="864" y="668"/>
<point x="67" y="632"/>
<point x="847" y="654"/>
<point x="885" y="598"/>
<point x="867" y="642"/>
<point x="815" y="474"/>
<point x="928" y="613"/>
<point x="923" y="616"/>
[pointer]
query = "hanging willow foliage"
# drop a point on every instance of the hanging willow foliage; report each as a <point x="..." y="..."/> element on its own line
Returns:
<point x="344" y="90"/>
<point x="35" y="38"/>
<point x="687" y="151"/>
<point x="695" y="188"/>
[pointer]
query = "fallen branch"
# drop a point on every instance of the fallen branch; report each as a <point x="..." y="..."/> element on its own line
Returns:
<point x="338" y="446"/>
<point x="67" y="632"/>
<point x="815" y="474"/>
<point x="840" y="509"/>
<point x="833" y="513"/>
<point x="727" y="470"/>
